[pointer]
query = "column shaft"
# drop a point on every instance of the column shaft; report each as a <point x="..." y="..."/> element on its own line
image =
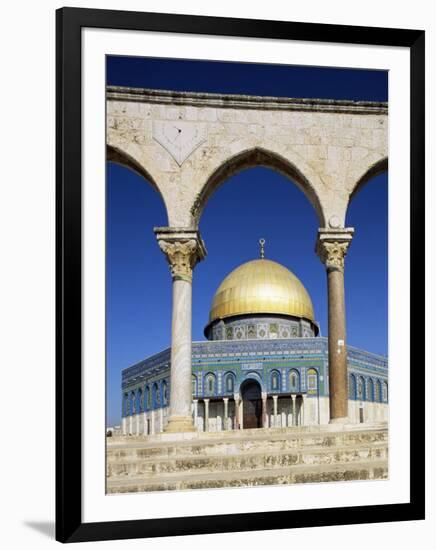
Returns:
<point x="183" y="248"/>
<point x="195" y="412"/>
<point x="294" y="411"/>
<point x="332" y="248"/>
<point x="206" y="415"/>
<point x="275" y="397"/>
<point x="226" y="412"/>
<point x="337" y="350"/>
<point x="264" y="411"/>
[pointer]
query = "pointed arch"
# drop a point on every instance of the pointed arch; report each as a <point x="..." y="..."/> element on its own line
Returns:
<point x="294" y="381"/>
<point x="275" y="381"/>
<point x="118" y="156"/>
<point x="229" y="383"/>
<point x="351" y="386"/>
<point x="210" y="384"/>
<point x="250" y="158"/>
<point x="375" y="169"/>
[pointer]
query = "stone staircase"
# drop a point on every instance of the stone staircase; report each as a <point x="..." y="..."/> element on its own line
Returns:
<point x="309" y="454"/>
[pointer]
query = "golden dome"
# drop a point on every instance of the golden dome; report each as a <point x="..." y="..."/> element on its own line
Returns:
<point x="261" y="286"/>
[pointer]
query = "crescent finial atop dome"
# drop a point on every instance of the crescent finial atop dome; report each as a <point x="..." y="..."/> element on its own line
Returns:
<point x="262" y="248"/>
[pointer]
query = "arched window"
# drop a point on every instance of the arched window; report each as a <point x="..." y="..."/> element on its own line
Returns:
<point x="312" y="382"/>
<point x="164" y="393"/>
<point x="138" y="400"/>
<point x="378" y="391"/>
<point x="275" y="381"/>
<point x="385" y="392"/>
<point x="210" y="384"/>
<point x="148" y="398"/>
<point x="132" y="402"/>
<point x="194" y="384"/>
<point x="294" y="381"/>
<point x="370" y="390"/>
<point x="361" y="393"/>
<point x="156" y="396"/>
<point x="230" y="383"/>
<point x="126" y="410"/>
<point x="352" y="387"/>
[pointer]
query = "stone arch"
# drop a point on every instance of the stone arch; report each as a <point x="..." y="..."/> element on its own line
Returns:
<point x="377" y="168"/>
<point x="295" y="170"/>
<point x="118" y="156"/>
<point x="256" y="376"/>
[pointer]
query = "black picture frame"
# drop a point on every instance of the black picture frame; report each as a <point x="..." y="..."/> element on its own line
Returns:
<point x="69" y="22"/>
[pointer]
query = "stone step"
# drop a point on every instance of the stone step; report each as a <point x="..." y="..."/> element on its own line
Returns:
<point x="301" y="473"/>
<point x="246" y="461"/>
<point x="284" y="440"/>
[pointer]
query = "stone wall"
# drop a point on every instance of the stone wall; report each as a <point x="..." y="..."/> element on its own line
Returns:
<point x="187" y="144"/>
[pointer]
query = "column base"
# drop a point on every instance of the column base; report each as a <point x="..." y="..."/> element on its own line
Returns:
<point x="177" y="424"/>
<point x="341" y="420"/>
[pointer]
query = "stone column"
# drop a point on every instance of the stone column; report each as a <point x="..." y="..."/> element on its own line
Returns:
<point x="183" y="248"/>
<point x="264" y="410"/>
<point x="131" y="425"/>
<point x="303" y="409"/>
<point x="124" y="424"/>
<point x="332" y="246"/>
<point x="226" y="413"/>
<point x="195" y="412"/>
<point x="144" y="419"/>
<point x="138" y="417"/>
<point x="153" y="431"/>
<point x="275" y="398"/>
<point x="294" y="411"/>
<point x="206" y="415"/>
<point x="161" y="419"/>
<point x="237" y="423"/>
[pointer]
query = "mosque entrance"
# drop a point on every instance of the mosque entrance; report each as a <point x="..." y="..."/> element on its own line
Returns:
<point x="252" y="404"/>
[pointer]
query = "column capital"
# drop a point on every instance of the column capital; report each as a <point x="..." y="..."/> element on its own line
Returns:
<point x="183" y="248"/>
<point x="225" y="399"/>
<point x="275" y="397"/>
<point x="332" y="246"/>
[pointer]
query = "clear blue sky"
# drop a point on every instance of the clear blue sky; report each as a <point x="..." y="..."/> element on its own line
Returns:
<point x="255" y="203"/>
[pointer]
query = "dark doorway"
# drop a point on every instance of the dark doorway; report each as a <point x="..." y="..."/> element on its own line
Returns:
<point x="252" y="404"/>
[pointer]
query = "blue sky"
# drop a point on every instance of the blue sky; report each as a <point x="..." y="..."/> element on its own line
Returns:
<point x="257" y="202"/>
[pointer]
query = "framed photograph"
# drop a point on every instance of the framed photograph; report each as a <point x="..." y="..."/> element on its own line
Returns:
<point x="240" y="275"/>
